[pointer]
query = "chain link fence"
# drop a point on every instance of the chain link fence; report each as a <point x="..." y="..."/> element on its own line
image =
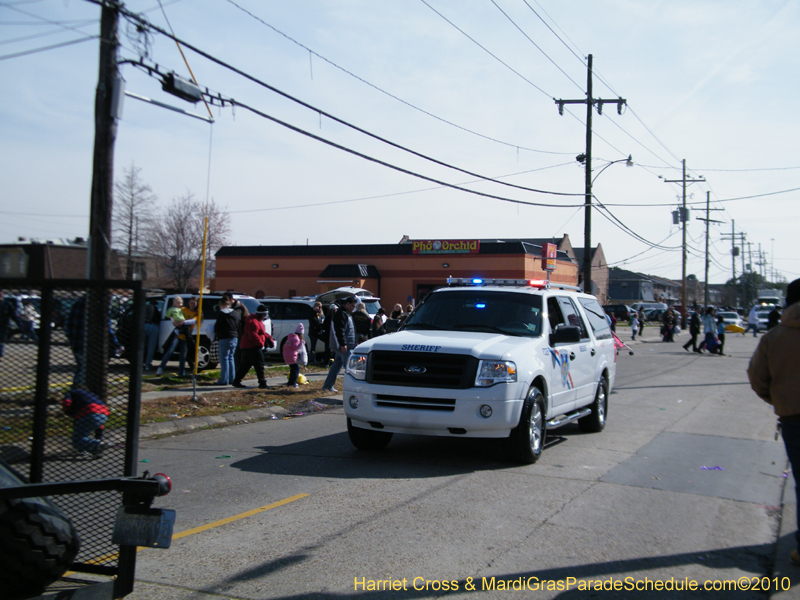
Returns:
<point x="69" y="404"/>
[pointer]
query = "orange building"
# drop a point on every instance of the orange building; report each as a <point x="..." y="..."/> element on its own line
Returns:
<point x="393" y="272"/>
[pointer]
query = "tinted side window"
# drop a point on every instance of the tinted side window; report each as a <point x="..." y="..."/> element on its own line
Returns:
<point x="597" y="318"/>
<point x="296" y="311"/>
<point x="275" y="310"/>
<point x="210" y="307"/>
<point x="572" y="315"/>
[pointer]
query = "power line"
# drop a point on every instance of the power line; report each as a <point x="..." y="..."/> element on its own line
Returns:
<point x="489" y="52"/>
<point x="45" y="48"/>
<point x="395" y="167"/>
<point x="272" y="88"/>
<point x="581" y="59"/>
<point x="505" y="14"/>
<point x="382" y="196"/>
<point x="387" y="93"/>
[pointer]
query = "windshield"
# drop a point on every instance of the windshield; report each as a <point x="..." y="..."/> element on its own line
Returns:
<point x="480" y="310"/>
<point x="372" y="306"/>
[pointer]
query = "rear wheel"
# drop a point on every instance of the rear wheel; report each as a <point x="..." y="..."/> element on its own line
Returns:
<point x="206" y="358"/>
<point x="368" y="439"/>
<point x="526" y="441"/>
<point x="596" y="421"/>
<point x="37" y="542"/>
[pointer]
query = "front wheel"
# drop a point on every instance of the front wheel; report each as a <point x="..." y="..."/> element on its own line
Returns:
<point x="596" y="421"/>
<point x="367" y="439"/>
<point x="526" y="441"/>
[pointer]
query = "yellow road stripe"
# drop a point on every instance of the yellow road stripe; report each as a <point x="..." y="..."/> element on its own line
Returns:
<point x="243" y="515"/>
<point x="188" y="532"/>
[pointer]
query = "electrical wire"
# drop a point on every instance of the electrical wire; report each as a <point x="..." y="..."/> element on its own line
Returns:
<point x="535" y="45"/>
<point x="272" y="88"/>
<point x="45" y="48"/>
<point x="33" y="36"/>
<point x="576" y="55"/>
<point x="394" y="167"/>
<point x="389" y="94"/>
<point x="485" y="49"/>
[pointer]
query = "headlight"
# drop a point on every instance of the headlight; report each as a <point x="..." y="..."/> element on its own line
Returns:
<point x="357" y="366"/>
<point x="495" y="371"/>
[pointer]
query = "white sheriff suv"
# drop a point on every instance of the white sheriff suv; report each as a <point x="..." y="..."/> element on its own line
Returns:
<point x="485" y="358"/>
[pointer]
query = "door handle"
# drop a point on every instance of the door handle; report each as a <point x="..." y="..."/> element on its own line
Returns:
<point x="572" y="356"/>
<point x="594" y="351"/>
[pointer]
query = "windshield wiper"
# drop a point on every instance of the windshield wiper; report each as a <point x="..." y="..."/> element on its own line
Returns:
<point x="422" y="326"/>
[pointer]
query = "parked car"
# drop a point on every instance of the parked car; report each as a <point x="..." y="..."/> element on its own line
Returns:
<point x="285" y="315"/>
<point x="371" y="302"/>
<point x="207" y="355"/>
<point x="621" y="311"/>
<point x="654" y="314"/>
<point x="19" y="302"/>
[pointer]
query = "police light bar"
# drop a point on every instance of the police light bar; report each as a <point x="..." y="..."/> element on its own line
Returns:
<point x="539" y="283"/>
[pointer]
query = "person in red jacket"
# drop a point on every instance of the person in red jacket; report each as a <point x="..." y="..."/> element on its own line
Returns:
<point x="254" y="339"/>
<point x="90" y="414"/>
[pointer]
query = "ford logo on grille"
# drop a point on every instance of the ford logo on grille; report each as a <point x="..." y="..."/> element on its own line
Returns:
<point x="415" y="369"/>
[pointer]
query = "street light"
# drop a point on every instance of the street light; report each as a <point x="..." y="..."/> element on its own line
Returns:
<point x="587" y="229"/>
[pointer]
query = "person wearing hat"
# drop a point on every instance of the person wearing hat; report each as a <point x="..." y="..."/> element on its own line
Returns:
<point x="254" y="339"/>
<point x="343" y="340"/>
<point x="774" y="374"/>
<point x="291" y="350"/>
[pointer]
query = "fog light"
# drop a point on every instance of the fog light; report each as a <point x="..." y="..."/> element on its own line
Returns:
<point x="353" y="402"/>
<point x="486" y="411"/>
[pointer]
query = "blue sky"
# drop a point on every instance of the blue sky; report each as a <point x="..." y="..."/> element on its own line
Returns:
<point x="469" y="83"/>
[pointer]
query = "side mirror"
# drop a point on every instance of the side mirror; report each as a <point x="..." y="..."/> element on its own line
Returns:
<point x="392" y="325"/>
<point x="565" y="334"/>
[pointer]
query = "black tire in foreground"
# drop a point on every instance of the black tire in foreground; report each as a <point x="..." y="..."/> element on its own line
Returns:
<point x="368" y="439"/>
<point x="596" y="421"/>
<point x="38" y="542"/>
<point x="526" y="441"/>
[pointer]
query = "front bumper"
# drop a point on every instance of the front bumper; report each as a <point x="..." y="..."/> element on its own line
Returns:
<point x="433" y="411"/>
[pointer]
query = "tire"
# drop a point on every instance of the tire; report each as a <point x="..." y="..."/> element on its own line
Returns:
<point x="205" y="356"/>
<point x="526" y="441"/>
<point x="38" y="542"/>
<point x="368" y="439"/>
<point x="596" y="422"/>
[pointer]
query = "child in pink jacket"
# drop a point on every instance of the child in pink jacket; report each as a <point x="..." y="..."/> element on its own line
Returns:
<point x="294" y="342"/>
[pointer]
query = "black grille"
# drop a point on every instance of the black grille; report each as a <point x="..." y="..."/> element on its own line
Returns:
<point x="441" y="404"/>
<point x="422" y="369"/>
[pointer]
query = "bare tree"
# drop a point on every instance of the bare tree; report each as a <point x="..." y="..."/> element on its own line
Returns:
<point x="176" y="237"/>
<point x="134" y="203"/>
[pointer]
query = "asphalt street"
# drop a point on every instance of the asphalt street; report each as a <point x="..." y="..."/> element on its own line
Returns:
<point x="686" y="484"/>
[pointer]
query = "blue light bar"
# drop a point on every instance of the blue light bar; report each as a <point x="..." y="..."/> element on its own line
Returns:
<point x="477" y="281"/>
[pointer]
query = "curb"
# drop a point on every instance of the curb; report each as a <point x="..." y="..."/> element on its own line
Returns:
<point x="189" y="424"/>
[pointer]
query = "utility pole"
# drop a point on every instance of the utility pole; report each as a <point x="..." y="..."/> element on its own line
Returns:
<point x="105" y="132"/>
<point x="589" y="101"/>
<point x="734" y="254"/>
<point x="684" y="218"/>
<point x="708" y="258"/>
